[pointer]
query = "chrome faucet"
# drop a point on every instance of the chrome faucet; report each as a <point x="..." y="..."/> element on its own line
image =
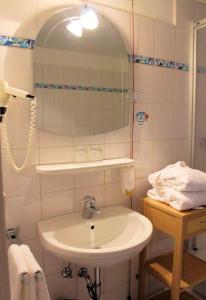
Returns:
<point x="89" y="208"/>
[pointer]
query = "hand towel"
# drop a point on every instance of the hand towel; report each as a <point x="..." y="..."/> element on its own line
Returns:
<point x="39" y="290"/>
<point x="180" y="177"/>
<point x="178" y="200"/>
<point x="18" y="274"/>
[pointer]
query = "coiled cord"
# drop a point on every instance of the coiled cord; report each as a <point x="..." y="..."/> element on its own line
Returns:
<point x="30" y="138"/>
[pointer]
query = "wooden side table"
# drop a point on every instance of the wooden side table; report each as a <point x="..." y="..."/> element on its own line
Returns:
<point x="178" y="270"/>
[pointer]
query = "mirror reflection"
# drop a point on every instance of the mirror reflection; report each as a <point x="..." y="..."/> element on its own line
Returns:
<point x="81" y="74"/>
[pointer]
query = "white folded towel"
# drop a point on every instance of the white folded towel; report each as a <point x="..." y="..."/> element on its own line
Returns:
<point x="178" y="200"/>
<point x="39" y="290"/>
<point x="180" y="177"/>
<point x="19" y="274"/>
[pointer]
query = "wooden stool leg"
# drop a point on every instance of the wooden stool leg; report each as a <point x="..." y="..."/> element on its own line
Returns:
<point x="177" y="266"/>
<point x="141" y="279"/>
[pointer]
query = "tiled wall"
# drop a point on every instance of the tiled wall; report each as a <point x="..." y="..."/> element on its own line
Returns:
<point x="160" y="92"/>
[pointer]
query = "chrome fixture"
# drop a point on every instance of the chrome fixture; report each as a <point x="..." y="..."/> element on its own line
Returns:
<point x="12" y="235"/>
<point x="67" y="272"/>
<point x="89" y="208"/>
<point x="94" y="288"/>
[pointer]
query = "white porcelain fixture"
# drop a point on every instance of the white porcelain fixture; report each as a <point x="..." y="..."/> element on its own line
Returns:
<point x="113" y="236"/>
<point x="76" y="168"/>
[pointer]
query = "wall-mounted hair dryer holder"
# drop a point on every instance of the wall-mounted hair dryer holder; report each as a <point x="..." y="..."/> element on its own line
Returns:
<point x="6" y="92"/>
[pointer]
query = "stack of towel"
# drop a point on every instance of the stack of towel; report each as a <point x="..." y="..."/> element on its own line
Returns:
<point x="179" y="186"/>
<point x="27" y="280"/>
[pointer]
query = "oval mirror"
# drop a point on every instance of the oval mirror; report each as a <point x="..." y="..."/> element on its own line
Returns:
<point x="81" y="74"/>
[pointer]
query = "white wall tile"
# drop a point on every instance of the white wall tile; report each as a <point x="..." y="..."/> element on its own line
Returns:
<point x="57" y="203"/>
<point x="124" y="27"/>
<point x="119" y="293"/>
<point x="144" y="156"/>
<point x="89" y="179"/>
<point x="23" y="212"/>
<point x="88" y="140"/>
<point x="163" y="154"/>
<point x="115" y="276"/>
<point x="164" y="41"/>
<point x="24" y="183"/>
<point x="117" y="150"/>
<point x="144" y="80"/>
<point x="54" y="155"/>
<point x="56" y="183"/>
<point x="185" y="12"/>
<point x="144" y="36"/>
<point x="164" y="93"/>
<point x="15" y="20"/>
<point x="158" y="9"/>
<point x="164" y="121"/>
<point x="182" y="45"/>
<point x="52" y="264"/>
<point x="161" y="247"/>
<point x="61" y="288"/>
<point x="200" y="10"/>
<point x="121" y="135"/>
<point x="141" y="187"/>
<point x="181" y="150"/>
<point x="112" y="175"/>
<point x="181" y="129"/>
<point x="114" y="195"/>
<point x="182" y="87"/>
<point x="47" y="139"/>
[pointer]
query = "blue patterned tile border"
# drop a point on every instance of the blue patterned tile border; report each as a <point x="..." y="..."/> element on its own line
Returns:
<point x="141" y="59"/>
<point x="157" y="62"/>
<point x="78" y="88"/>
<point x="164" y="63"/>
<point x="182" y="67"/>
<point x="201" y="70"/>
<point x="16" y="42"/>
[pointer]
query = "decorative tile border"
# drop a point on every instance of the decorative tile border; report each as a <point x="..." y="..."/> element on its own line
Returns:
<point x="16" y="42"/>
<point x="140" y="59"/>
<point x="157" y="62"/>
<point x="79" y="88"/>
<point x="201" y="70"/>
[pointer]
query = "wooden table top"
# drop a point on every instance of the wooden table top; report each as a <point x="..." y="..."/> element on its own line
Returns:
<point x="172" y="211"/>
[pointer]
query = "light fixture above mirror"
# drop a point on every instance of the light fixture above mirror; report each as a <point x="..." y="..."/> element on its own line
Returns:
<point x="87" y="20"/>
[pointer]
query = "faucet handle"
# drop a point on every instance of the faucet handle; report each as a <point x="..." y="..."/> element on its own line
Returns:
<point x="90" y="200"/>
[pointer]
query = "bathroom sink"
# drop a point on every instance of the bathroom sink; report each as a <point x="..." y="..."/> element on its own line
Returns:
<point x="113" y="236"/>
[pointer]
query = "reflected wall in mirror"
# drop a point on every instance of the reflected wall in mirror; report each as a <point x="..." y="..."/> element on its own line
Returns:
<point x="81" y="79"/>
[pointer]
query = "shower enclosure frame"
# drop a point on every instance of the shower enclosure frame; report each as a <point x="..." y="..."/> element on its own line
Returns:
<point x="196" y="25"/>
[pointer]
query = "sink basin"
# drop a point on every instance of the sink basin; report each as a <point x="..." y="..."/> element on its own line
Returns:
<point x="113" y="236"/>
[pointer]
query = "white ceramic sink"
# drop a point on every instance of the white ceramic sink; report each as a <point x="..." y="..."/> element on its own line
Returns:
<point x="113" y="236"/>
